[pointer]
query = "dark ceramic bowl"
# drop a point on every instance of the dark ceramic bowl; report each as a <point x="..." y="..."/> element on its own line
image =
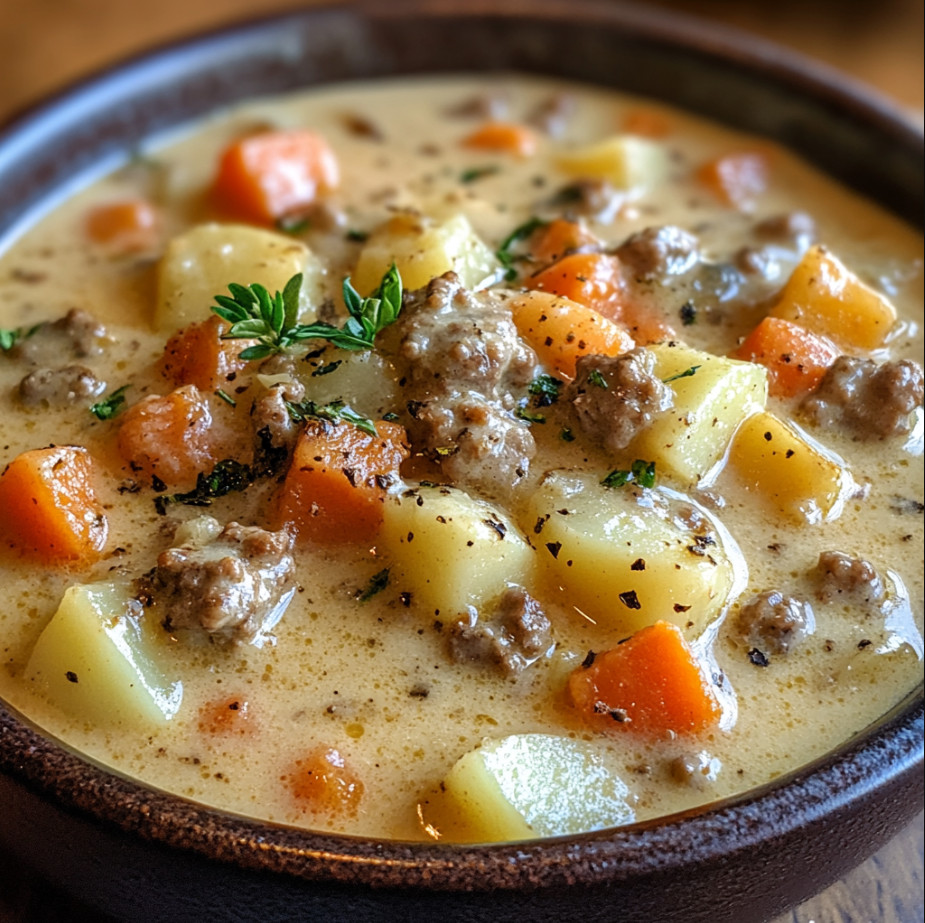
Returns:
<point x="136" y="853"/>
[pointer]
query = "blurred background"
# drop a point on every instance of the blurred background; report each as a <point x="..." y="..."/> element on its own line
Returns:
<point x="44" y="44"/>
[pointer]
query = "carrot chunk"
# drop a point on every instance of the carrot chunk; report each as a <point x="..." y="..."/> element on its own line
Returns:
<point x="338" y="478"/>
<point x="322" y="782"/>
<point x="651" y="684"/>
<point x="169" y="436"/>
<point x="647" y="123"/>
<point x="124" y="227"/>
<point x="266" y="176"/>
<point x="795" y="358"/>
<point x="560" y="238"/>
<point x="49" y="508"/>
<point x="561" y="331"/>
<point x="736" y="179"/>
<point x="504" y="138"/>
<point x="197" y="355"/>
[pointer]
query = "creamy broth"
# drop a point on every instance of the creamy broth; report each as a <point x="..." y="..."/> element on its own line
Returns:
<point x="373" y="678"/>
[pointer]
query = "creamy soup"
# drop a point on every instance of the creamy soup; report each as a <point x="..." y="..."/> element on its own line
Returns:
<point x="594" y="496"/>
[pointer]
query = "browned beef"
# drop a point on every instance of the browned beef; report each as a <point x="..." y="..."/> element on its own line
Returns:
<point x="658" y="253"/>
<point x="615" y="397"/>
<point x="270" y="415"/>
<point x="842" y="577"/>
<point x="60" y="387"/>
<point x="592" y="198"/>
<point x="516" y="636"/>
<point x="77" y="335"/>
<point x="791" y="228"/>
<point x="868" y="400"/>
<point x="775" y="623"/>
<point x="465" y="362"/>
<point x="233" y="587"/>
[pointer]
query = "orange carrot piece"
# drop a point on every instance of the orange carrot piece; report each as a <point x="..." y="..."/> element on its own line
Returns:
<point x="647" y="123"/>
<point x="503" y="138"/>
<point x="796" y="359"/>
<point x="169" y="436"/>
<point x="736" y="179"/>
<point x="265" y="176"/>
<point x="560" y="238"/>
<point x="561" y="331"/>
<point x="197" y="355"/>
<point x="591" y="279"/>
<point x="230" y="716"/>
<point x="651" y="684"/>
<point x="125" y="227"/>
<point x="49" y="508"/>
<point x="322" y="782"/>
<point x="338" y="478"/>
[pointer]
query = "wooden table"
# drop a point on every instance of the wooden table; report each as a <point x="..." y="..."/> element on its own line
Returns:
<point x="44" y="44"/>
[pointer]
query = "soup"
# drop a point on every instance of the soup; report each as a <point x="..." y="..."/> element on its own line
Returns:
<point x="594" y="494"/>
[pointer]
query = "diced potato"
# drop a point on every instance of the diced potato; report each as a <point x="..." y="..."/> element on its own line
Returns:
<point x="794" y="476"/>
<point x="450" y="550"/>
<point x="626" y="161"/>
<point x="422" y="250"/>
<point x="200" y="263"/>
<point x="825" y="297"/>
<point x="625" y="560"/>
<point x="97" y="660"/>
<point x="533" y="785"/>
<point x="709" y="404"/>
<point x="364" y="378"/>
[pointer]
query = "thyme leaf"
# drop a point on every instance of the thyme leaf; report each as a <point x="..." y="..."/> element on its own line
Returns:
<point x="335" y="412"/>
<point x="545" y="390"/>
<point x="687" y="373"/>
<point x="641" y="472"/>
<point x="377" y="583"/>
<point x="110" y="406"/>
<point x="520" y="233"/>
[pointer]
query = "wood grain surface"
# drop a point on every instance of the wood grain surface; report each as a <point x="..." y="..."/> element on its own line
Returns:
<point x="45" y="44"/>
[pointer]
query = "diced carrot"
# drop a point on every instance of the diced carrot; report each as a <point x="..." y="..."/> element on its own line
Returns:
<point x="124" y="227"/>
<point x="336" y="484"/>
<point x="504" y="138"/>
<point x="322" y="782"/>
<point x="652" y="684"/>
<point x="647" y="123"/>
<point x="560" y="238"/>
<point x="736" y="179"/>
<point x="596" y="281"/>
<point x="561" y="331"/>
<point x="227" y="716"/>
<point x="197" y="355"/>
<point x="795" y="358"/>
<point x="169" y="436"/>
<point x="591" y="279"/>
<point x="265" y="176"/>
<point x="48" y="507"/>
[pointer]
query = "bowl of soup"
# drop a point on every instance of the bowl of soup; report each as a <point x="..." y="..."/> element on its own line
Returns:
<point x="460" y="461"/>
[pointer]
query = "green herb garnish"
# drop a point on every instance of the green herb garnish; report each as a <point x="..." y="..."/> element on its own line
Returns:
<point x="226" y="397"/>
<point x="293" y="224"/>
<point x="107" y="408"/>
<point x="271" y="319"/>
<point x="567" y="435"/>
<point x="641" y="472"/>
<point x="326" y="369"/>
<point x="597" y="379"/>
<point x="226" y="477"/>
<point x="545" y="390"/>
<point x="523" y="412"/>
<point x="359" y="237"/>
<point x="474" y="173"/>
<point x="685" y="374"/>
<point x="9" y="337"/>
<point x="377" y="583"/>
<point x="522" y="232"/>
<point x="335" y="412"/>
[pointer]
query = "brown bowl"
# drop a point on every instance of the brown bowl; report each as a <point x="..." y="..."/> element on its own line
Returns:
<point x="137" y="853"/>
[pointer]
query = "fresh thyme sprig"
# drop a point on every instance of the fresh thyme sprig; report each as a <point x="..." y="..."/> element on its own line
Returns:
<point x="271" y="319"/>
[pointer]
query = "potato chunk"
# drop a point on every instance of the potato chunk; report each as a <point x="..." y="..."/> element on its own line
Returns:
<point x="626" y="557"/>
<point x="422" y="250"/>
<point x="825" y="297"/>
<point x="533" y="785"/>
<point x="712" y="396"/>
<point x="97" y="660"/>
<point x="626" y="161"/>
<point x="792" y="475"/>
<point x="450" y="550"/>
<point x="200" y="263"/>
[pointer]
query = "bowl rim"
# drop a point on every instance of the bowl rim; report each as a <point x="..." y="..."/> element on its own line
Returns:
<point x="891" y="750"/>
